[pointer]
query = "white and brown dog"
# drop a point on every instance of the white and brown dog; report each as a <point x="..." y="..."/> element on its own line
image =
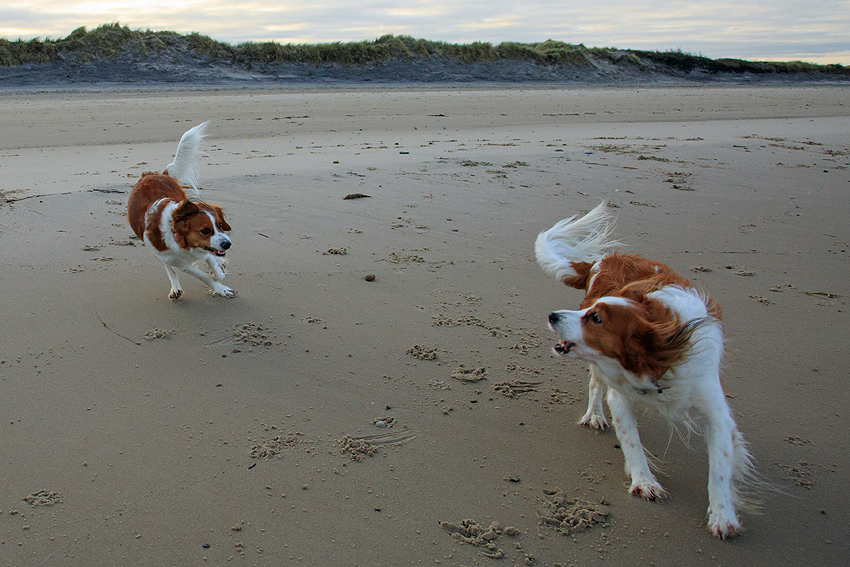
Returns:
<point x="649" y="337"/>
<point x="181" y="231"/>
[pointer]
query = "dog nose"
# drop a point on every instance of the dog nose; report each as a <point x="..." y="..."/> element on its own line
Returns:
<point x="225" y="245"/>
<point x="554" y="317"/>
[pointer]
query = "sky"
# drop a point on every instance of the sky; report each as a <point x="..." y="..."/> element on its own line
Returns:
<point x="816" y="31"/>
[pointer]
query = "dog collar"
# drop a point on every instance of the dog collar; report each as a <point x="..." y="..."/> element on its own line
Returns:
<point x="655" y="390"/>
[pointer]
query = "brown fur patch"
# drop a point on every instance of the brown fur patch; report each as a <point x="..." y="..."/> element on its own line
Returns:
<point x="645" y="337"/>
<point x="149" y="189"/>
<point x="582" y="270"/>
<point x="193" y="227"/>
<point x="630" y="276"/>
<point x="190" y="227"/>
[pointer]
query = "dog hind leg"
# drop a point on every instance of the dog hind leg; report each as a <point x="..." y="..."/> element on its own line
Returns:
<point x="176" y="290"/>
<point x="727" y="463"/>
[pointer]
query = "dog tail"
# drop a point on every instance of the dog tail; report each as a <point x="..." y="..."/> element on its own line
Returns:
<point x="567" y="250"/>
<point x="185" y="168"/>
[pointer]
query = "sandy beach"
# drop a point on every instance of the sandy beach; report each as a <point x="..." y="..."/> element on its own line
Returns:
<point x="322" y="419"/>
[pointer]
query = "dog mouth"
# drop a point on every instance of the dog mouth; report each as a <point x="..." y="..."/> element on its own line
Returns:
<point x="216" y="251"/>
<point x="563" y="347"/>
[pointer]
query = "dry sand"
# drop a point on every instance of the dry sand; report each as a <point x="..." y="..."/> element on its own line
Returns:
<point x="322" y="419"/>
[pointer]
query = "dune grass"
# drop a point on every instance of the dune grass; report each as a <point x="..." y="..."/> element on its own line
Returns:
<point x="678" y="59"/>
<point x="114" y="40"/>
<point x="110" y="40"/>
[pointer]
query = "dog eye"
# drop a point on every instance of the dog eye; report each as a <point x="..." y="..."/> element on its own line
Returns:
<point x="206" y="231"/>
<point x="595" y="317"/>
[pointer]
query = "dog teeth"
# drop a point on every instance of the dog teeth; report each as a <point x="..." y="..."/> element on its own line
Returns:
<point x="564" y="347"/>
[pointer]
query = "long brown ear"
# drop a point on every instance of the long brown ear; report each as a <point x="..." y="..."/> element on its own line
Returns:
<point x="185" y="210"/>
<point x="224" y="226"/>
<point x="656" y="342"/>
<point x="646" y="354"/>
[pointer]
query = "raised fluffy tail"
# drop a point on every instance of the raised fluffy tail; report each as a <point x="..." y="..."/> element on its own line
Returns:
<point x="185" y="167"/>
<point x="575" y="240"/>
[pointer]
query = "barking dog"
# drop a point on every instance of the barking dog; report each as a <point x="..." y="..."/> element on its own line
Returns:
<point x="181" y="231"/>
<point x="649" y="337"/>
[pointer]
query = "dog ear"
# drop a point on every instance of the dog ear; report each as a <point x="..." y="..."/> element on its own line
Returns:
<point x="658" y="340"/>
<point x="224" y="226"/>
<point x="644" y="349"/>
<point x="641" y="355"/>
<point x="185" y="210"/>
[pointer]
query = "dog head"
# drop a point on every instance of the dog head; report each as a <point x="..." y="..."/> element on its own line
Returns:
<point x="642" y="337"/>
<point x="201" y="226"/>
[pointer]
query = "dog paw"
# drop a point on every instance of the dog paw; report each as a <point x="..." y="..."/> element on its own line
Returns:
<point x="175" y="294"/>
<point x="594" y="421"/>
<point x="648" y="490"/>
<point x="222" y="291"/>
<point x="722" y="527"/>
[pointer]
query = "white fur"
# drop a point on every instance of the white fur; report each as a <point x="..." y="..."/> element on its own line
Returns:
<point x="178" y="258"/>
<point x="621" y="301"/>
<point x="218" y="239"/>
<point x="585" y="239"/>
<point x="688" y="393"/>
<point x="185" y="168"/>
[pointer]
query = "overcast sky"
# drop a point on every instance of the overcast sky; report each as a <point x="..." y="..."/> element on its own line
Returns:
<point x="809" y="30"/>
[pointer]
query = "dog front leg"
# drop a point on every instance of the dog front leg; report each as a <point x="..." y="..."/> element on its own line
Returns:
<point x="217" y="287"/>
<point x="595" y="416"/>
<point x="637" y="467"/>
<point x="217" y="265"/>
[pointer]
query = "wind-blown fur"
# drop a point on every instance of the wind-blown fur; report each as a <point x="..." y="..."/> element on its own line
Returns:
<point x="649" y="337"/>
<point x="574" y="241"/>
<point x="185" y="168"/>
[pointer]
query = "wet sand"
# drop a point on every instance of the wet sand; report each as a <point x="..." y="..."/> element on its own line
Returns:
<point x="322" y="419"/>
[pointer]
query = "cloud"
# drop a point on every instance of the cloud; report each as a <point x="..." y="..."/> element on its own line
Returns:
<point x="759" y="29"/>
